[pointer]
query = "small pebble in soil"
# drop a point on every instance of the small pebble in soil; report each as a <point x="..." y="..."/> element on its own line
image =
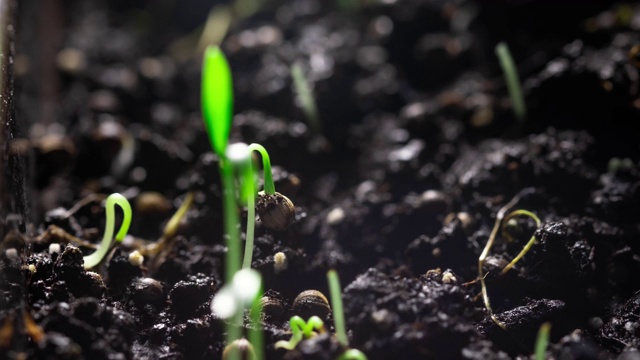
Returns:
<point x="136" y="259"/>
<point x="279" y="262"/>
<point x="54" y="248"/>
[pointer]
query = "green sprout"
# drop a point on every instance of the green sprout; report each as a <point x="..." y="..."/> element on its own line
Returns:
<point x="242" y="292"/>
<point x="513" y="81"/>
<point x="307" y="101"/>
<point x="531" y="241"/>
<point x="352" y="354"/>
<point x="269" y="188"/>
<point x="301" y="330"/>
<point x="336" y="305"/>
<point x="217" y="105"/>
<point x="113" y="200"/>
<point x="217" y="98"/>
<point x="542" y="341"/>
<point x="338" y="318"/>
<point x="502" y="219"/>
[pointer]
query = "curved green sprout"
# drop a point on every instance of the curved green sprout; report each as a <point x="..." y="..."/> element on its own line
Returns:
<point x="217" y="98"/>
<point x="542" y="341"/>
<point x="531" y="241"/>
<point x="336" y="305"/>
<point x="113" y="200"/>
<point x="269" y="187"/>
<point x="502" y="219"/>
<point x="352" y="354"/>
<point x="513" y="81"/>
<point x="299" y="330"/>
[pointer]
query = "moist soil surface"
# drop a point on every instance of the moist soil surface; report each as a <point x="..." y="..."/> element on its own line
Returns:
<point x="397" y="186"/>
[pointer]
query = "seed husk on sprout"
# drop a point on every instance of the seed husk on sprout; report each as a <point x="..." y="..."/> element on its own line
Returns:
<point x="276" y="211"/>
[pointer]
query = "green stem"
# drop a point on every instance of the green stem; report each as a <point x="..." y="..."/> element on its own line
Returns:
<point x="256" y="335"/>
<point x="513" y="81"/>
<point x="232" y="265"/>
<point x="336" y="303"/>
<point x="251" y="222"/>
<point x="269" y="187"/>
<point x="542" y="341"/>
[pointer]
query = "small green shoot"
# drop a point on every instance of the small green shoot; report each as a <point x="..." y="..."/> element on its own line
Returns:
<point x="531" y="241"/>
<point x="542" y="341"/>
<point x="113" y="200"/>
<point x="513" y="81"/>
<point x="502" y="219"/>
<point x="335" y="292"/>
<point x="352" y="354"/>
<point x="301" y="330"/>
<point x="305" y="95"/>
<point x="269" y="188"/>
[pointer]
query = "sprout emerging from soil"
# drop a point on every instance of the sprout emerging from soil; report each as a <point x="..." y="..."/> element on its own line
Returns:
<point x="542" y="341"/>
<point x="305" y="95"/>
<point x="113" y="200"/>
<point x="241" y="348"/>
<point x="502" y="219"/>
<point x="513" y="81"/>
<point x="352" y="354"/>
<point x="243" y="292"/>
<point x="276" y="210"/>
<point x="301" y="330"/>
<point x="336" y="302"/>
<point x="335" y="293"/>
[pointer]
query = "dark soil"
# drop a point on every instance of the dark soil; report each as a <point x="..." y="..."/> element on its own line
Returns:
<point x="418" y="151"/>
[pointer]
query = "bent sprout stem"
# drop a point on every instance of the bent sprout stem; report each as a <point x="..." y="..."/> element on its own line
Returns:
<point x="113" y="200"/>
<point x="336" y="305"/>
<point x="531" y="241"/>
<point x="269" y="187"/>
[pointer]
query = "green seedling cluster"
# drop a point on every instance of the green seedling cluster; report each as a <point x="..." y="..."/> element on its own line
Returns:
<point x="301" y="330"/>
<point x="501" y="221"/>
<point x="513" y="81"/>
<point x="113" y="200"/>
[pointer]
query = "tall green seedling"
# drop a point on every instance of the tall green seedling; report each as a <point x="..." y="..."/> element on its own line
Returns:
<point x="217" y="108"/>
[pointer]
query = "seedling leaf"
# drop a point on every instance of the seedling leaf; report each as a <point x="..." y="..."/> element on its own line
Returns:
<point x="217" y="98"/>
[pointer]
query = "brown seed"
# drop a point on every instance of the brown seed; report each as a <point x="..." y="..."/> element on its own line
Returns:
<point x="243" y="346"/>
<point x="272" y="308"/>
<point x="152" y="203"/>
<point x="276" y="211"/>
<point x="309" y="303"/>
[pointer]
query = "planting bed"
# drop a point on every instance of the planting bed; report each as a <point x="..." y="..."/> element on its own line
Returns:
<point x="397" y="188"/>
